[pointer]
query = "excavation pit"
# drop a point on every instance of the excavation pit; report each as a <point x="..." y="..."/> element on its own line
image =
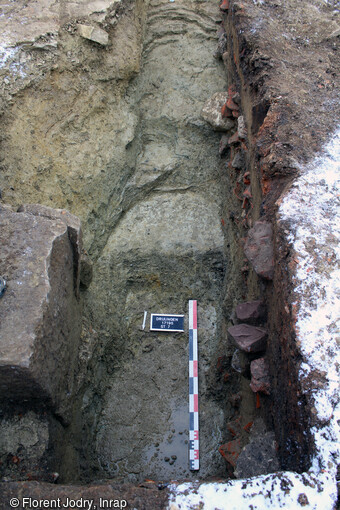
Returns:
<point x="176" y="145"/>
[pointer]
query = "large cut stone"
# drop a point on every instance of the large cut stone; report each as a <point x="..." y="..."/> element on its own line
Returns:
<point x="248" y="338"/>
<point x="260" y="376"/>
<point x="73" y="228"/>
<point x="251" y="312"/>
<point x="259" y="249"/>
<point x="39" y="312"/>
<point x="212" y="112"/>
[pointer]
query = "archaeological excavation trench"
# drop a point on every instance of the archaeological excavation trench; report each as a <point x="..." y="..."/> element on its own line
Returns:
<point x="142" y="165"/>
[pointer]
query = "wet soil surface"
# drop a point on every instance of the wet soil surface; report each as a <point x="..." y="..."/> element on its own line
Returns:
<point x="167" y="248"/>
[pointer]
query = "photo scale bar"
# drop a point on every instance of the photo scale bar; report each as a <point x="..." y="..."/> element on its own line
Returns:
<point x="194" y="462"/>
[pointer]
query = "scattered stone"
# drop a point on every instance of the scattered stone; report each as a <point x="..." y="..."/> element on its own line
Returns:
<point x="258" y="457"/>
<point x="238" y="160"/>
<point x="226" y="112"/>
<point x="231" y="451"/>
<point x="260" y="376"/>
<point x="259" y="249"/>
<point x="95" y="34"/>
<point x="231" y="105"/>
<point x="302" y="499"/>
<point x="247" y="193"/>
<point x="240" y="362"/>
<point x="241" y="128"/>
<point x="222" y="42"/>
<point x="211" y="112"/>
<point x="237" y="98"/>
<point x="246" y="178"/>
<point x="248" y="338"/>
<point x="251" y="312"/>
<point x="224" y="145"/>
<point x="234" y="139"/>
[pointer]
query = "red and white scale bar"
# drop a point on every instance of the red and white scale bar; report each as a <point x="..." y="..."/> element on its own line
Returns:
<point x="194" y="462"/>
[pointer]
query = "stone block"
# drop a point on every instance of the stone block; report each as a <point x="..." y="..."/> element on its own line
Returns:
<point x="73" y="228"/>
<point x="248" y="338"/>
<point x="40" y="315"/>
<point x="95" y="34"/>
<point x="251" y="312"/>
<point x="259" y="457"/>
<point x="259" y="249"/>
<point x="211" y="112"/>
<point x="260" y="376"/>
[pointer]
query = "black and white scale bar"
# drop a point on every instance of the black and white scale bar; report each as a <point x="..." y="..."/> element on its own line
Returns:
<point x="194" y="462"/>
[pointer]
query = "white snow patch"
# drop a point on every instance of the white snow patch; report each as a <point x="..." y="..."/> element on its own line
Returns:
<point x="278" y="490"/>
<point x="311" y="211"/>
<point x="10" y="58"/>
<point x="6" y="53"/>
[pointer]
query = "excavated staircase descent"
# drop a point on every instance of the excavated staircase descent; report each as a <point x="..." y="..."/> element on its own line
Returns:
<point x="167" y="248"/>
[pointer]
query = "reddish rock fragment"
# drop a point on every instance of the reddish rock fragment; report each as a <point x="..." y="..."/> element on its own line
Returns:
<point x="259" y="249"/>
<point x="224" y="6"/>
<point x="226" y="112"/>
<point x="231" y="105"/>
<point x="260" y="376"/>
<point x="247" y="192"/>
<point x="251" y="312"/>
<point x="230" y="451"/>
<point x="234" y="139"/>
<point x="246" y="178"/>
<point x="234" y="427"/>
<point x="248" y="338"/>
